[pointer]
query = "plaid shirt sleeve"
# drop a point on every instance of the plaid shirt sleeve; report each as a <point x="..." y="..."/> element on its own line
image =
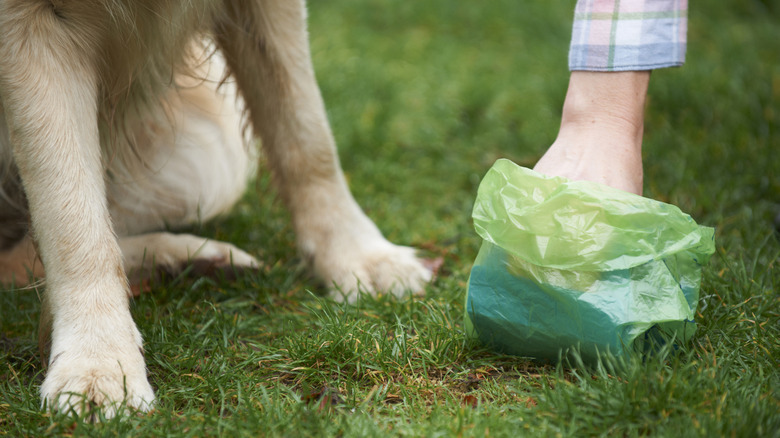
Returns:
<point x="622" y="35"/>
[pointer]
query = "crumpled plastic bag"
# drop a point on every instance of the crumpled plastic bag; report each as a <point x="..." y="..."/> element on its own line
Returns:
<point x="577" y="264"/>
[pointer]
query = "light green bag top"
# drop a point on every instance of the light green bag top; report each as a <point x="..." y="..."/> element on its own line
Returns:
<point x="579" y="225"/>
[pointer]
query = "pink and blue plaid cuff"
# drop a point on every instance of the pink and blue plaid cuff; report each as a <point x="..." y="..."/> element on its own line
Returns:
<point x="621" y="35"/>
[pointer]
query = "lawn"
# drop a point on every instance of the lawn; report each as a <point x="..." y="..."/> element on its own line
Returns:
<point x="423" y="97"/>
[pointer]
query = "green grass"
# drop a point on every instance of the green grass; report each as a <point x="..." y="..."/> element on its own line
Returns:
<point x="423" y="97"/>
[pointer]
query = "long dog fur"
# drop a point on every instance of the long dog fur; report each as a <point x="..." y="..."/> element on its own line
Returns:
<point x="115" y="124"/>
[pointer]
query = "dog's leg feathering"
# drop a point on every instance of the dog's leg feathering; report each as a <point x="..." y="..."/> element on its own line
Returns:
<point x="266" y="46"/>
<point x="48" y="84"/>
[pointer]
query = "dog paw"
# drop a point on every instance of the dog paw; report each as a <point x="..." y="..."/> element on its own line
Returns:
<point x="381" y="268"/>
<point x="89" y="375"/>
<point x="149" y="254"/>
<point x="208" y="257"/>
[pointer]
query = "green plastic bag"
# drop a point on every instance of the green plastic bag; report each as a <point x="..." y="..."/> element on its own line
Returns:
<point x="574" y="263"/>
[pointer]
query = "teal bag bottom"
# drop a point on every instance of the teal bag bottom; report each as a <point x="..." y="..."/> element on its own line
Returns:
<point x="578" y="265"/>
<point x="519" y="316"/>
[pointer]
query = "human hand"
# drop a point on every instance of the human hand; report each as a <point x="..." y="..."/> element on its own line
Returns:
<point x="600" y="138"/>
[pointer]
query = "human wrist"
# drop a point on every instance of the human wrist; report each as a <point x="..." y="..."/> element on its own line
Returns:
<point x="606" y="101"/>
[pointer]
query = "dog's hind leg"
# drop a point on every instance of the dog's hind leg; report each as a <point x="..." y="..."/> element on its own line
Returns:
<point x="145" y="256"/>
<point x="267" y="50"/>
<point x="196" y="164"/>
<point x="49" y="86"/>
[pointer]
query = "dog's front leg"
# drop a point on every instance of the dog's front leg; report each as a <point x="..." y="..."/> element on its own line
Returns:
<point x="48" y="83"/>
<point x="267" y="49"/>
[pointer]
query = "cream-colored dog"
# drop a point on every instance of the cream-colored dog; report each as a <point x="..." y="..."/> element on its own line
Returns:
<point x="113" y="123"/>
